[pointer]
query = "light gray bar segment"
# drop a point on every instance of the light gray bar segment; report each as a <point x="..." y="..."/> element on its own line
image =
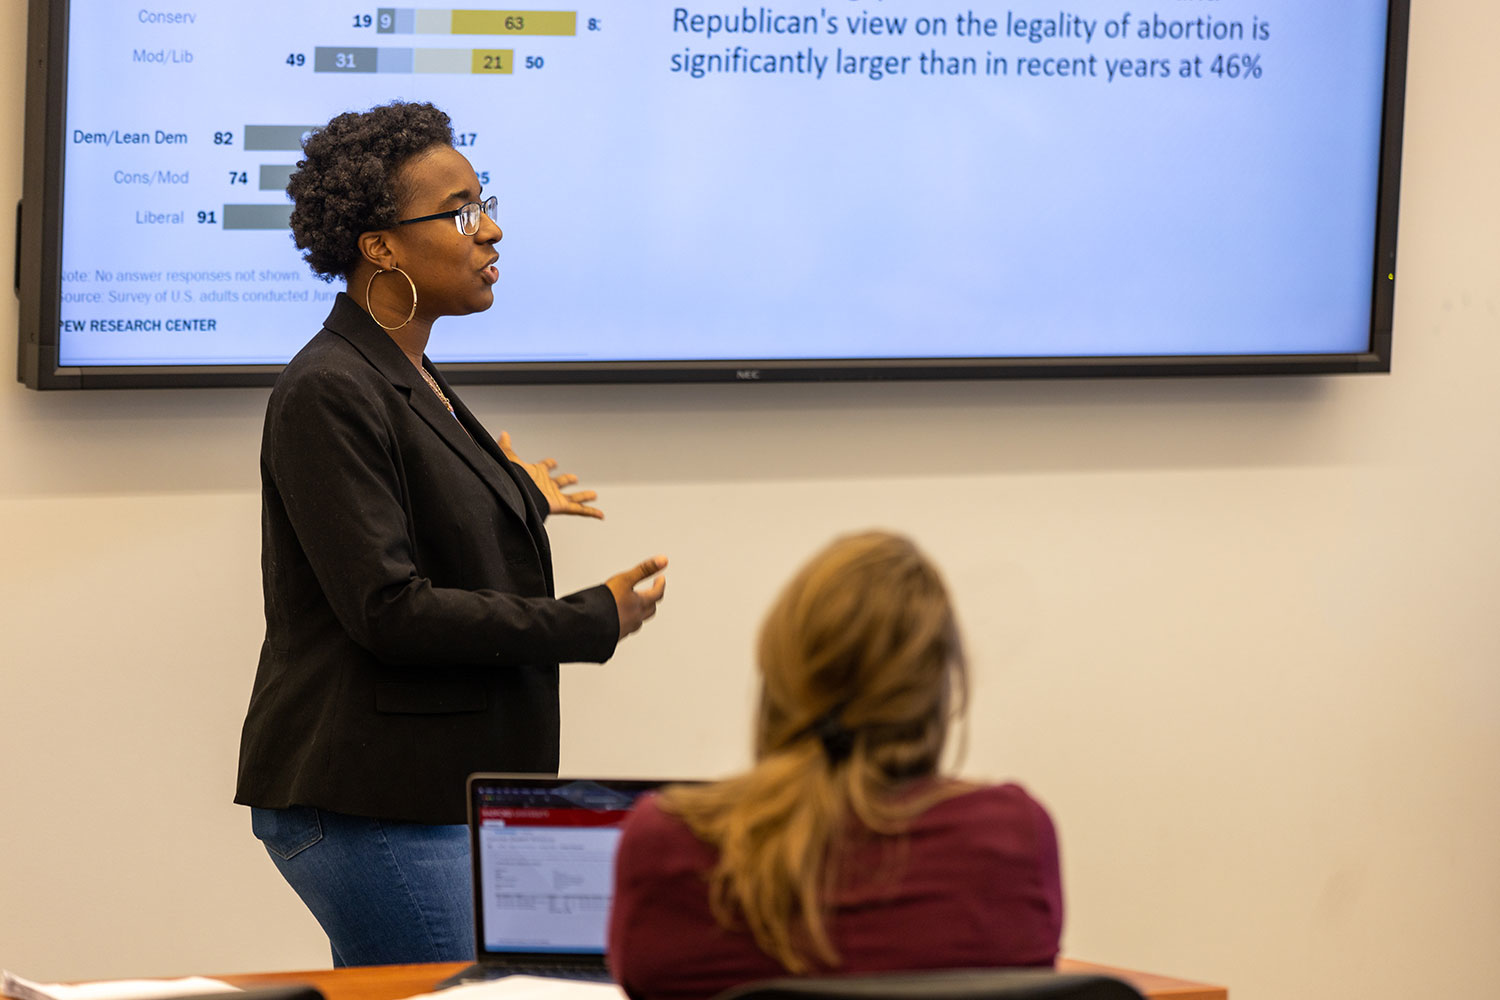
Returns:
<point x="394" y="61"/>
<point x="275" y="137"/>
<point x="433" y="22"/>
<point x="257" y="216"/>
<point x="273" y="176"/>
<point x="444" y="60"/>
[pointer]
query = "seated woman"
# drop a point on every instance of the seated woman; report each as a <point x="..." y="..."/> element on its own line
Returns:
<point x="843" y="849"/>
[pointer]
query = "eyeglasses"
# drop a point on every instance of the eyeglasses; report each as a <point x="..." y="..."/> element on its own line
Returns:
<point x="466" y="218"/>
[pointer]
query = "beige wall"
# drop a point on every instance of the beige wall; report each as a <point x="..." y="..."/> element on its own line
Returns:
<point x="1241" y="635"/>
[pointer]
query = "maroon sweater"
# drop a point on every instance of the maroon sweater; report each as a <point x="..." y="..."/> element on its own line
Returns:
<point x="973" y="883"/>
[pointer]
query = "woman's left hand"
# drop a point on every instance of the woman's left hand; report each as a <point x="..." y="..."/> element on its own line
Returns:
<point x="551" y="483"/>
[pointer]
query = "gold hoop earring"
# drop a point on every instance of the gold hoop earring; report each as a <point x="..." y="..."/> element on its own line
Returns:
<point x="370" y="309"/>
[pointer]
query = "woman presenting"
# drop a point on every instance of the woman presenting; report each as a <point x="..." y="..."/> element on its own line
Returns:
<point x="412" y="632"/>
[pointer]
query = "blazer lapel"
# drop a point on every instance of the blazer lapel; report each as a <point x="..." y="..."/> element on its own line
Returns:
<point x="352" y="323"/>
<point x="516" y="476"/>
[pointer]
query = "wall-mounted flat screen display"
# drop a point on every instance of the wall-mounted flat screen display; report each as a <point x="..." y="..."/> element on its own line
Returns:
<point x="704" y="190"/>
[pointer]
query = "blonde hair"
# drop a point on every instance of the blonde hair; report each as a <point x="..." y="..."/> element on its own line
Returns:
<point x="861" y="673"/>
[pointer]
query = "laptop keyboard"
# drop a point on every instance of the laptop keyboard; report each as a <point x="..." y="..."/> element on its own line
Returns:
<point x="562" y="972"/>
<point x="595" y="975"/>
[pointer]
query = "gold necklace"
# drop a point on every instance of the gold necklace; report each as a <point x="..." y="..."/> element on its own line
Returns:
<point x="427" y="377"/>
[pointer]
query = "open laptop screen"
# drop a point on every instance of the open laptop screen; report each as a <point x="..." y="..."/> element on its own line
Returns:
<point x="544" y="851"/>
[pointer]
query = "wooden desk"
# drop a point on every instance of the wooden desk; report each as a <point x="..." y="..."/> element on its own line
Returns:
<point x="1151" y="985"/>
<point x="393" y="982"/>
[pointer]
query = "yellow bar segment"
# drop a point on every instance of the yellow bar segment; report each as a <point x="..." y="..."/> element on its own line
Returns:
<point x="515" y="22"/>
<point x="493" y="61"/>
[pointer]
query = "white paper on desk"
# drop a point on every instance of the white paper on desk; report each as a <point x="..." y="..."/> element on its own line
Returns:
<point x="115" y="989"/>
<point x="528" y="988"/>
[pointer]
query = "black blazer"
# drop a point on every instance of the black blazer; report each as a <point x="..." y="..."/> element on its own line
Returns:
<point x="412" y="635"/>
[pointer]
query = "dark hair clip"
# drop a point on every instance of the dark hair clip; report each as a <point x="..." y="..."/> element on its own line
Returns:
<point x="837" y="739"/>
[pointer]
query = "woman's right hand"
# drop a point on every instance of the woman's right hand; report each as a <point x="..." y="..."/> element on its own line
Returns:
<point x="635" y="606"/>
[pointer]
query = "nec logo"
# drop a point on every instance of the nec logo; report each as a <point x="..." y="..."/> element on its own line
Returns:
<point x="747" y="374"/>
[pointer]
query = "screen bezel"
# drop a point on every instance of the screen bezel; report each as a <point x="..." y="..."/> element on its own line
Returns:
<point x="38" y="282"/>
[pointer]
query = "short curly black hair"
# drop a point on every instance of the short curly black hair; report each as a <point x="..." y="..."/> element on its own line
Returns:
<point x="346" y="182"/>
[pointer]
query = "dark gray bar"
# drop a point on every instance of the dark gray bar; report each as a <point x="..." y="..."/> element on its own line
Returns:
<point x="257" y="216"/>
<point x="273" y="176"/>
<point x="276" y="137"/>
<point x="390" y="21"/>
<point x="344" y="60"/>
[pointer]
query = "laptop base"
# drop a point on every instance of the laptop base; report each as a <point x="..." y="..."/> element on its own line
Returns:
<point x="479" y="973"/>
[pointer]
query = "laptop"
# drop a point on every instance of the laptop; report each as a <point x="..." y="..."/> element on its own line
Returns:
<point x="543" y="859"/>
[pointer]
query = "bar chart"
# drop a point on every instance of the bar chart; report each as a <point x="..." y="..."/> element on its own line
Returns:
<point x="269" y="177"/>
<point x="185" y="134"/>
<point x="396" y="60"/>
<point x="413" y="21"/>
<point x="329" y="59"/>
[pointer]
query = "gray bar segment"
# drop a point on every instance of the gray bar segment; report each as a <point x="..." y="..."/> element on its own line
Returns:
<point x="266" y="138"/>
<point x="353" y="59"/>
<point x="257" y="216"/>
<point x="385" y="21"/>
<point x="273" y="176"/>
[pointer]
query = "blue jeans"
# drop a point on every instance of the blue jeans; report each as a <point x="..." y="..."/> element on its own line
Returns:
<point x="386" y="893"/>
